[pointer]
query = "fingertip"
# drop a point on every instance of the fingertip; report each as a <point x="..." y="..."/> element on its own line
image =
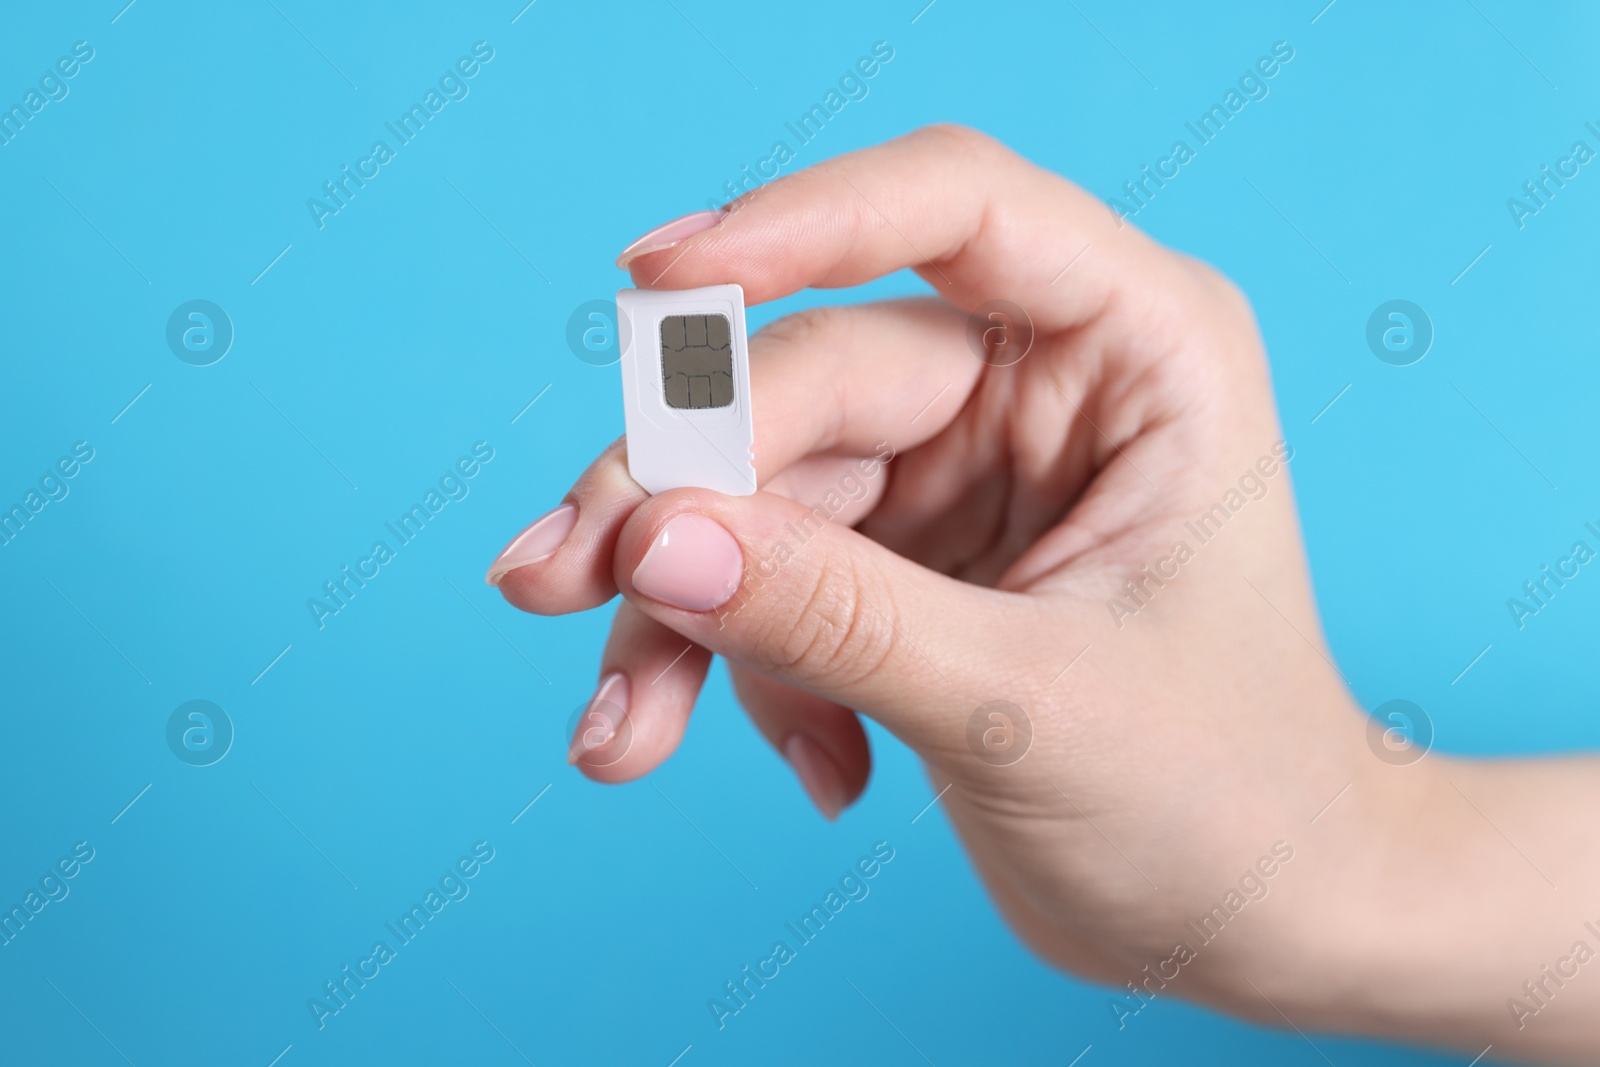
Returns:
<point x="669" y="235"/>
<point x="693" y="563"/>
<point x="823" y="742"/>
<point x="600" y="725"/>
<point x="824" y="780"/>
<point x="678" y="548"/>
<point x="537" y="542"/>
<point x="650" y="677"/>
<point x="562" y="561"/>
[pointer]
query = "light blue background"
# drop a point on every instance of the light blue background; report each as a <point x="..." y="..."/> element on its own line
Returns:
<point x="423" y="718"/>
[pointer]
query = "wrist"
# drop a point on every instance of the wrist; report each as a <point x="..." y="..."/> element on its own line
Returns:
<point x="1361" y="917"/>
<point x="1377" y="895"/>
<point x="1423" y="900"/>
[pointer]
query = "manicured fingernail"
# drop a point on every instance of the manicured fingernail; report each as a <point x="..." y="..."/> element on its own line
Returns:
<point x="670" y="233"/>
<point x="693" y="564"/>
<point x="537" y="542"/>
<point x="817" y="771"/>
<point x="602" y="721"/>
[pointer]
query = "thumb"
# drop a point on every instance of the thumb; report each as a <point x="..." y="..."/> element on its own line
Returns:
<point x="800" y="597"/>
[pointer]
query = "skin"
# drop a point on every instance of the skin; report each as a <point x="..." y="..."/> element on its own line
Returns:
<point x="1178" y="751"/>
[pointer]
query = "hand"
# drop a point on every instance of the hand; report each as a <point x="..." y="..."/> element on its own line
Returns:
<point x="1100" y="536"/>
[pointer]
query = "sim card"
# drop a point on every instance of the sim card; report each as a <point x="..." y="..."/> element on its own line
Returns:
<point x="686" y="389"/>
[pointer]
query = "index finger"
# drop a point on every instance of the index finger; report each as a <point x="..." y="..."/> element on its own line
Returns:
<point x="974" y="219"/>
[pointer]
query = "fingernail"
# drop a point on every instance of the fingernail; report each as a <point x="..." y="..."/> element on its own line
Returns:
<point x="670" y="233"/>
<point x="537" y="542"/>
<point x="817" y="771"/>
<point x="601" y="722"/>
<point x="694" y="564"/>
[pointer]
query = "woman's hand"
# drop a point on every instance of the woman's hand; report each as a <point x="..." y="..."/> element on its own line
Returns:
<point x="1073" y="584"/>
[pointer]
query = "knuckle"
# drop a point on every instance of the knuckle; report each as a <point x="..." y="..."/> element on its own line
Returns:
<point x="1228" y="295"/>
<point x="959" y="137"/>
<point x="836" y="632"/>
<point x="1217" y="289"/>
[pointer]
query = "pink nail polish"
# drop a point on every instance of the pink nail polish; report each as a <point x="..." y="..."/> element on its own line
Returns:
<point x="538" y="542"/>
<point x="670" y="233"/>
<point x="693" y="564"/>
<point x="821" y="776"/>
<point x="604" y="734"/>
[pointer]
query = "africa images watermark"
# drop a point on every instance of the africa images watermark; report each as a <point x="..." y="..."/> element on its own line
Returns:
<point x="52" y="488"/>
<point x="452" y="86"/>
<point x="52" y="87"/>
<point x="852" y="87"/>
<point x="851" y="486"/>
<point x="1538" y="592"/>
<point x="1538" y="192"/>
<point x="52" y="889"/>
<point x="453" y="485"/>
<point x="1252" y="888"/>
<point x="853" y="886"/>
<point x="1538" y="991"/>
<point x="1138" y="592"/>
<point x="452" y="887"/>
<point x="1252" y="86"/>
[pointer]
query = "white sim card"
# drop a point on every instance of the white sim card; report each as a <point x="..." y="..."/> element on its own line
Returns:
<point x="686" y="389"/>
